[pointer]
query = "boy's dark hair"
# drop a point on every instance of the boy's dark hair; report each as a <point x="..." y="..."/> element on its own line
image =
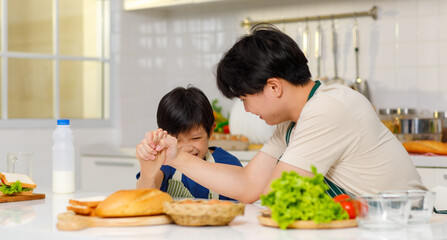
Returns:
<point x="256" y="57"/>
<point x="183" y="109"/>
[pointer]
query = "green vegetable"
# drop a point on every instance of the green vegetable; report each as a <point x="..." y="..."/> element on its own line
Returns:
<point x="294" y="197"/>
<point x="14" y="188"/>
<point x="215" y="106"/>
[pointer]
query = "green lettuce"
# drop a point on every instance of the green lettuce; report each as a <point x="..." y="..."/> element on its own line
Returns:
<point x="294" y="197"/>
<point x="14" y="188"/>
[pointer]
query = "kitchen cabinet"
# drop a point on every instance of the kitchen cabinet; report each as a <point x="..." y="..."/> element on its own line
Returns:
<point x="432" y="177"/>
<point x="111" y="169"/>
<point x="108" y="173"/>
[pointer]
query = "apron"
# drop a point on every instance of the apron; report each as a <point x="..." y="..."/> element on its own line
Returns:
<point x="334" y="190"/>
<point x="177" y="189"/>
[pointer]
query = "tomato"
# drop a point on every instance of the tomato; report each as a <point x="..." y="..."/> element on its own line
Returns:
<point x="341" y="197"/>
<point x="226" y="129"/>
<point x="350" y="205"/>
<point x="349" y="208"/>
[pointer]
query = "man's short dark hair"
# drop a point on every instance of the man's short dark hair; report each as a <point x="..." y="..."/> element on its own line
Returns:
<point x="256" y="57"/>
<point x="183" y="109"/>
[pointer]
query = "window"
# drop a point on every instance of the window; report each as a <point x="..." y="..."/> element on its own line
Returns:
<point x="54" y="60"/>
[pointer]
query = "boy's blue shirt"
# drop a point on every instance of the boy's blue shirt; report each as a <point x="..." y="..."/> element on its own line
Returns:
<point x="197" y="190"/>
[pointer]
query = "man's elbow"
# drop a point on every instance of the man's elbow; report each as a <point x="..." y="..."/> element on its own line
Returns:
<point x="247" y="199"/>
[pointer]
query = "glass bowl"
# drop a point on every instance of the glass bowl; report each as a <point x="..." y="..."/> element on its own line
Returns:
<point x="383" y="212"/>
<point x="421" y="204"/>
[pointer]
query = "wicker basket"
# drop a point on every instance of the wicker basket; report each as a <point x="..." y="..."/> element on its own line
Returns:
<point x="202" y="213"/>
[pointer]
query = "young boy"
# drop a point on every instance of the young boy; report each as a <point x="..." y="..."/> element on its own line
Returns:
<point x="186" y="114"/>
<point x="331" y="127"/>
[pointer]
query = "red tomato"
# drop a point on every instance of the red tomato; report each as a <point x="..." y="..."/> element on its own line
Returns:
<point x="341" y="197"/>
<point x="349" y="206"/>
<point x="226" y="129"/>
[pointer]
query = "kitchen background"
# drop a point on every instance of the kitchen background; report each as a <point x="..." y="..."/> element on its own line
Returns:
<point x="403" y="56"/>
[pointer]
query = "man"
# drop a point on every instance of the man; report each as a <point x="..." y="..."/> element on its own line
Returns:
<point x="331" y="127"/>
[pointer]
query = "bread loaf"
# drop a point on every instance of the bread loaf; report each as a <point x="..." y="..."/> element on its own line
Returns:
<point x="84" y="206"/>
<point x="426" y="146"/>
<point x="129" y="203"/>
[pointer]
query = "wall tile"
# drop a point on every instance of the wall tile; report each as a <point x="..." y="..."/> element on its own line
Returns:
<point x="386" y="55"/>
<point x="407" y="54"/>
<point x="407" y="7"/>
<point x="443" y="28"/>
<point x="384" y="80"/>
<point x="428" y="54"/>
<point x="442" y="80"/>
<point x="428" y="27"/>
<point x="407" y="80"/>
<point x="428" y="7"/>
<point x="443" y="7"/>
<point x="407" y="99"/>
<point x="428" y="79"/>
<point x="407" y="29"/>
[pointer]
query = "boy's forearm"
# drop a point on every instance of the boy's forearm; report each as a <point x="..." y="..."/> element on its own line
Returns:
<point x="145" y="183"/>
<point x="148" y="181"/>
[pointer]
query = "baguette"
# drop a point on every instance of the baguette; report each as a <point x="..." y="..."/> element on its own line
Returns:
<point x="426" y="146"/>
<point x="81" y="210"/>
<point x="84" y="206"/>
<point x="130" y="203"/>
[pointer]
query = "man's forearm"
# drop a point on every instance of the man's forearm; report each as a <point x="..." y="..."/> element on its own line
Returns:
<point x="242" y="184"/>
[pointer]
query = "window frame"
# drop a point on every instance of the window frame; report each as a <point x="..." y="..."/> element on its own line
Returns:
<point x="108" y="98"/>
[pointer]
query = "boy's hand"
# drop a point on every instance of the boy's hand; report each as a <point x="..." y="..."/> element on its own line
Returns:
<point x="149" y="147"/>
<point x="154" y="143"/>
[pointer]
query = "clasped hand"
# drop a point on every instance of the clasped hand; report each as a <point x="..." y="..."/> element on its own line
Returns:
<point x="154" y="143"/>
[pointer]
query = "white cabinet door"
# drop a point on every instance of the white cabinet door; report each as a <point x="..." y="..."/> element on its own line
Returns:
<point x="432" y="177"/>
<point x="108" y="173"/>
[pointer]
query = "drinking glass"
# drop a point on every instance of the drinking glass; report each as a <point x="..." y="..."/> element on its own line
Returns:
<point x="20" y="162"/>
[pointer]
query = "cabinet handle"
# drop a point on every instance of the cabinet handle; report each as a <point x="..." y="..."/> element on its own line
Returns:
<point x="115" y="164"/>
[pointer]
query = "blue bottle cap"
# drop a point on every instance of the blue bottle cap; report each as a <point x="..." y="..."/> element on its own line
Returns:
<point x="63" y="122"/>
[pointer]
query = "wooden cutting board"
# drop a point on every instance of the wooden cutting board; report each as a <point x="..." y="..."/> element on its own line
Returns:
<point x="69" y="221"/>
<point x="34" y="196"/>
<point x="267" y="221"/>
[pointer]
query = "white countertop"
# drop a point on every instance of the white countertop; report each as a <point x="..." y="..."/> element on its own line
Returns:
<point x="37" y="220"/>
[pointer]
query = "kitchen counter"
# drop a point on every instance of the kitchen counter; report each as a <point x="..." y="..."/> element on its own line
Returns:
<point x="37" y="220"/>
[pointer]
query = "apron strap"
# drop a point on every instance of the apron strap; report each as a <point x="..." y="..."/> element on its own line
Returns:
<point x="177" y="176"/>
<point x="209" y="158"/>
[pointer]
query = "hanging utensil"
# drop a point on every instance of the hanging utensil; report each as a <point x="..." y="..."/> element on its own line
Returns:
<point x="306" y="40"/>
<point x="336" y="78"/>
<point x="359" y="85"/>
<point x="318" y="48"/>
